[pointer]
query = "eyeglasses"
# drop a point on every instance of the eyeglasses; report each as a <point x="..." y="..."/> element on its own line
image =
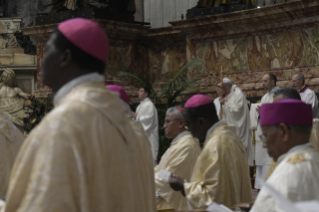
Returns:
<point x="263" y="136"/>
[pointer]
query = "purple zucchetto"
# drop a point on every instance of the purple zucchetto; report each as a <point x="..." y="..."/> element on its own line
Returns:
<point x="288" y="111"/>
<point x="121" y="91"/>
<point x="198" y="100"/>
<point x="86" y="35"/>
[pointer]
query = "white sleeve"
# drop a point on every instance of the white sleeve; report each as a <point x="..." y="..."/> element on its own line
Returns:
<point x="311" y="99"/>
<point x="146" y="115"/>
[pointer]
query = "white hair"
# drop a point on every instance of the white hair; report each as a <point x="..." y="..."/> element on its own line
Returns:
<point x="227" y="81"/>
<point x="174" y="111"/>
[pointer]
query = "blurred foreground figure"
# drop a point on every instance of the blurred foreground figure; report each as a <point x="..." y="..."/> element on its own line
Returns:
<point x="11" y="139"/>
<point x="286" y="134"/>
<point x="145" y="165"/>
<point x="83" y="155"/>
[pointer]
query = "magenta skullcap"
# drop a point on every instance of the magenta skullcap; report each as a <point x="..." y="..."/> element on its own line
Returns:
<point x="119" y="89"/>
<point x="86" y="35"/>
<point x="288" y="111"/>
<point x="198" y="100"/>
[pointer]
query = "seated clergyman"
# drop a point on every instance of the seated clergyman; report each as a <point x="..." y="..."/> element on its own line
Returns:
<point x="179" y="158"/>
<point x="286" y="133"/>
<point x="221" y="171"/>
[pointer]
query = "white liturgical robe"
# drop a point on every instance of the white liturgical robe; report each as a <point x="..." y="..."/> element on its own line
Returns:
<point x="217" y="106"/>
<point x="147" y="115"/>
<point x="296" y="177"/>
<point x="262" y="158"/>
<point x="308" y="96"/>
<point x="236" y="113"/>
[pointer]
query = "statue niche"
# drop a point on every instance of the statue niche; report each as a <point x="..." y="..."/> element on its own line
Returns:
<point x="12" y="98"/>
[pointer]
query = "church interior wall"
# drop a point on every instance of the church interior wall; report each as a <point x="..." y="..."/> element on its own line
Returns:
<point x="246" y="45"/>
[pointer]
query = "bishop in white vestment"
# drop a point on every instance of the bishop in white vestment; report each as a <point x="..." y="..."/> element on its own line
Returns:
<point x="146" y="113"/>
<point x="236" y="112"/>
<point x="286" y="134"/>
<point x="307" y="95"/>
<point x="262" y="159"/>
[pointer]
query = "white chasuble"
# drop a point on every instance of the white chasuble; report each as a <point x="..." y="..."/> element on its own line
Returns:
<point x="217" y="106"/>
<point x="11" y="139"/>
<point x="82" y="157"/>
<point x="236" y="112"/>
<point x="147" y="115"/>
<point x="261" y="154"/>
<point x="179" y="159"/>
<point x="309" y="97"/>
<point x="296" y="177"/>
<point x="221" y="172"/>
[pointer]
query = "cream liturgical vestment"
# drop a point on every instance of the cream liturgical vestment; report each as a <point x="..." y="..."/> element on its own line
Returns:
<point x="179" y="159"/>
<point x="309" y="96"/>
<point x="314" y="139"/>
<point x="11" y="139"/>
<point x="147" y="115"/>
<point x="236" y="112"/>
<point x="296" y="177"/>
<point x="83" y="156"/>
<point x="221" y="172"/>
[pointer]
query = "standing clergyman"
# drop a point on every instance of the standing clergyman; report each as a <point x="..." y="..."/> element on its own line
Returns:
<point x="262" y="158"/>
<point x="146" y="113"/>
<point x="236" y="112"/>
<point x="216" y="101"/>
<point x="308" y="96"/>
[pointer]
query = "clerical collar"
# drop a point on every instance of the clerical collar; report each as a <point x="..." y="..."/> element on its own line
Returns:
<point x="211" y="129"/>
<point x="303" y="89"/>
<point x="294" y="149"/>
<point x="145" y="100"/>
<point x="180" y="135"/>
<point x="273" y="90"/>
<point x="92" y="77"/>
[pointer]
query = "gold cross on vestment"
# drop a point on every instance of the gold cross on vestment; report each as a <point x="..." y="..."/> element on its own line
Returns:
<point x="8" y="128"/>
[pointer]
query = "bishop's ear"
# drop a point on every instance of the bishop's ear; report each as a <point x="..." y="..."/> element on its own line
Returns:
<point x="285" y="132"/>
<point x="182" y="123"/>
<point x="200" y="121"/>
<point x="65" y="58"/>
